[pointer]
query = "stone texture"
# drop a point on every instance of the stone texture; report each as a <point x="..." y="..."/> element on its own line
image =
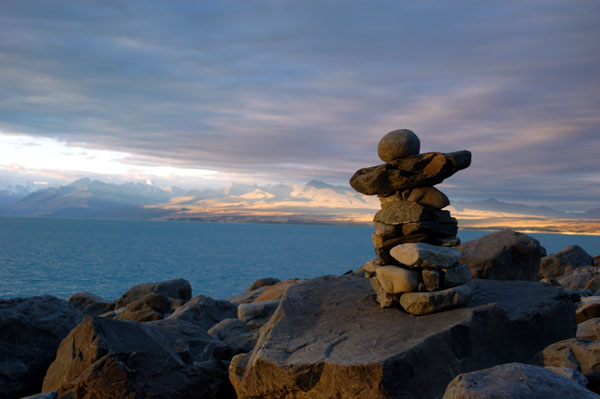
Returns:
<point x="504" y="255"/>
<point x="94" y="338"/>
<point x="329" y="339"/>
<point x="588" y="308"/>
<point x="564" y="261"/>
<point x="589" y="330"/>
<point x="423" y="170"/>
<point x="425" y="255"/>
<point x="162" y="359"/>
<point x="429" y="227"/>
<point x="90" y="304"/>
<point x="582" y="278"/>
<point x="597" y="260"/>
<point x="395" y="280"/>
<point x="262" y="282"/>
<point x="228" y="328"/>
<point x="205" y="311"/>
<point x="148" y="308"/>
<point x="384" y="299"/>
<point x="515" y="381"/>
<point x="134" y="375"/>
<point x="44" y="395"/>
<point x="431" y="279"/>
<point x="454" y="276"/>
<point x="275" y="291"/>
<point x="256" y="314"/>
<point x="420" y="303"/>
<point x="398" y="144"/>
<point x="398" y="212"/>
<point x="178" y="289"/>
<point x="570" y="374"/>
<point x="428" y="196"/>
<point x="31" y="330"/>
<point x="574" y="353"/>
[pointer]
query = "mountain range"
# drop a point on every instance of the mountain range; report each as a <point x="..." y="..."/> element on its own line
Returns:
<point x="313" y="202"/>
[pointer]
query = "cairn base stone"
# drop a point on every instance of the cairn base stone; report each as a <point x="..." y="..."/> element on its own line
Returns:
<point x="330" y="339"/>
<point x="395" y="280"/>
<point x="420" y="303"/>
<point x="456" y="275"/>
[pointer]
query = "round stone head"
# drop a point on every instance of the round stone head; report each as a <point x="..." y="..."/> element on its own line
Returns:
<point x="398" y="144"/>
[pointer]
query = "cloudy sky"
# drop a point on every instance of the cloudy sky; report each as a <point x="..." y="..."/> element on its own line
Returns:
<point x="204" y="93"/>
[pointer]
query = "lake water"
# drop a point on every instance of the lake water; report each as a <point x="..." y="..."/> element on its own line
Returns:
<point x="106" y="257"/>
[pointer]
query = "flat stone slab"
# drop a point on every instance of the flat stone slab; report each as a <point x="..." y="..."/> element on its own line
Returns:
<point x="330" y="339"/>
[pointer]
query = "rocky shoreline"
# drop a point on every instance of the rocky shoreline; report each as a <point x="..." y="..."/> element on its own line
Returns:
<point x="319" y="338"/>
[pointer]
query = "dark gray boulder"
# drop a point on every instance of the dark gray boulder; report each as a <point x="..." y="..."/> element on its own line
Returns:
<point x="205" y="311"/>
<point x="90" y="304"/>
<point x="329" y="338"/>
<point x="31" y="330"/>
<point x="564" y="261"/>
<point x="504" y="255"/>
<point x="515" y="381"/>
<point x="178" y="289"/>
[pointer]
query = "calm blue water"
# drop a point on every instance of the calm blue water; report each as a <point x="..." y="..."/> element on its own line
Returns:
<point x="106" y="257"/>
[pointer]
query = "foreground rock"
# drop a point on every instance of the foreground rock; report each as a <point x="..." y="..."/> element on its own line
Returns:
<point x="31" y="330"/>
<point x="162" y="359"/>
<point x="564" y="261"/>
<point x="504" y="255"/>
<point x="329" y="338"/>
<point x="515" y="381"/>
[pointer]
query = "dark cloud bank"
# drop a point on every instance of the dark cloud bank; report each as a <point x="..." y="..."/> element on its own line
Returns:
<point x="294" y="91"/>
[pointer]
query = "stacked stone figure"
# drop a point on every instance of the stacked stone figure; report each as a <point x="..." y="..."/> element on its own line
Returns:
<point x="416" y="265"/>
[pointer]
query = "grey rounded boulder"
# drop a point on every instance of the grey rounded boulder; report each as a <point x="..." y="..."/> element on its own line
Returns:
<point x="398" y="144"/>
<point x="515" y="381"/>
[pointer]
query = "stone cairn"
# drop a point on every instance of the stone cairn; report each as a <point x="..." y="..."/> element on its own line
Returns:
<point x="416" y="266"/>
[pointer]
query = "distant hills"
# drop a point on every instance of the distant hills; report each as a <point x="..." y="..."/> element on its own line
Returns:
<point x="313" y="202"/>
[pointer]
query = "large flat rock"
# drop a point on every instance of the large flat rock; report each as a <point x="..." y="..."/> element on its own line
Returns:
<point x="329" y="338"/>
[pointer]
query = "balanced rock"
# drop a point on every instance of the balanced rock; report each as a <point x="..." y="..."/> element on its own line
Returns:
<point x="399" y="211"/>
<point x="329" y="339"/>
<point x="398" y="144"/>
<point x="564" y="261"/>
<point x="423" y="170"/>
<point x="420" y="303"/>
<point x="425" y="255"/>
<point x="515" y="381"/>
<point x="504" y="255"/>
<point x="395" y="280"/>
<point x="430" y="196"/>
<point x="31" y="330"/>
<point x="178" y="289"/>
<point x="456" y="275"/>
